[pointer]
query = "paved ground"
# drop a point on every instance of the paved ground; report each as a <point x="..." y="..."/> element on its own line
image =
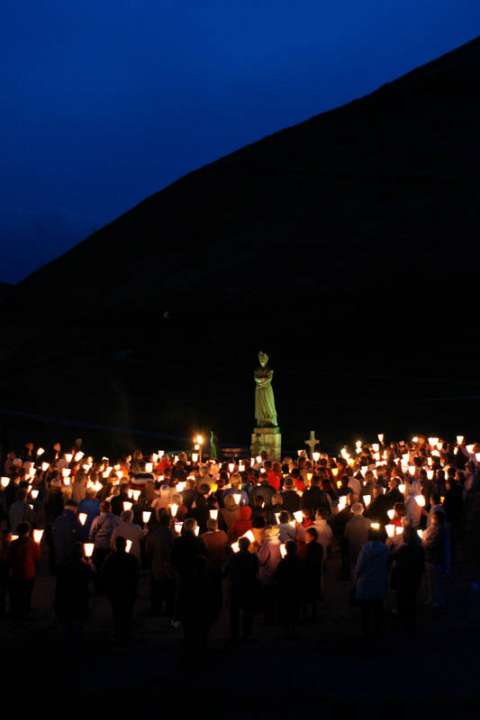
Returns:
<point x="328" y="666"/>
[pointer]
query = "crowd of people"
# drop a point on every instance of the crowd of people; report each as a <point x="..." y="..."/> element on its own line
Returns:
<point x="253" y="536"/>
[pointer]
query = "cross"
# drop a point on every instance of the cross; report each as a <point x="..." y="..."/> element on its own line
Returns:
<point x="312" y="442"/>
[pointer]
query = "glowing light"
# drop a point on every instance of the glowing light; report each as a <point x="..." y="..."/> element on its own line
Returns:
<point x="231" y="467"/>
<point x="391" y="514"/>
<point x="367" y="499"/>
<point x="342" y="503"/>
<point x="316" y="456"/>
<point x="420" y="534"/>
<point x="398" y="530"/>
<point x="237" y="497"/>
<point x="66" y="472"/>
<point x="249" y="534"/>
<point x="88" y="549"/>
<point x="433" y="441"/>
<point x="82" y="518"/>
<point x="283" y="550"/>
<point x="37" y="536"/>
<point x="460" y="439"/>
<point x="79" y="456"/>
<point x="146" y="515"/>
<point x="68" y="457"/>
<point x="375" y="525"/>
<point x="128" y="546"/>
<point x="420" y="500"/>
<point x="214" y="514"/>
<point x="127" y="505"/>
<point x="194" y="457"/>
<point x="5" y="482"/>
<point x="173" y="509"/>
<point x="45" y="466"/>
<point x="235" y="547"/>
<point x="390" y="530"/>
<point x="34" y="493"/>
<point x="381" y="437"/>
<point x="40" y="451"/>
<point x="402" y="488"/>
<point x="178" y="527"/>
<point x="298" y="515"/>
<point x="149" y="467"/>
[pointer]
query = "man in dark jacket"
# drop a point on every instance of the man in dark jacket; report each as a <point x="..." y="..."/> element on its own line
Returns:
<point x="158" y="547"/>
<point x="66" y="532"/>
<point x="72" y="594"/>
<point x="408" y="563"/>
<point x="242" y="574"/>
<point x="120" y="579"/>
<point x="290" y="498"/>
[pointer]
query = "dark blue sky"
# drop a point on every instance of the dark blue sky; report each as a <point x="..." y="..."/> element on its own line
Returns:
<point x="104" y="102"/>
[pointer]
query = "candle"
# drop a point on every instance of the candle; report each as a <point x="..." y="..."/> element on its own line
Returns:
<point x="283" y="550"/>
<point x="420" y="534"/>
<point x="37" y="536"/>
<point x="432" y="441"/>
<point x="231" y="467"/>
<point x="88" y="549"/>
<point x="237" y="497"/>
<point x="241" y="467"/>
<point x="214" y="514"/>
<point x="235" y="547"/>
<point x="161" y="453"/>
<point x="82" y="518"/>
<point x="375" y="526"/>
<point x="146" y="515"/>
<point x="316" y="456"/>
<point x="40" y="451"/>
<point x="391" y="514"/>
<point x="298" y="515"/>
<point x="180" y="487"/>
<point x="45" y="466"/>
<point x="148" y="467"/>
<point x="68" y="457"/>
<point x="366" y="499"/>
<point x="5" y="481"/>
<point x="13" y="537"/>
<point x="173" y="509"/>
<point x="196" y="530"/>
<point x="79" y="456"/>
<point x="194" y="457"/>
<point x="460" y="439"/>
<point x="127" y="505"/>
<point x="128" y="546"/>
<point x="398" y="530"/>
<point x="402" y="488"/>
<point x="249" y="534"/>
<point x="420" y="500"/>
<point x="390" y="530"/>
<point x="66" y="472"/>
<point x="342" y="502"/>
<point x="178" y="527"/>
<point x="34" y="493"/>
<point x="136" y="494"/>
<point x="381" y="437"/>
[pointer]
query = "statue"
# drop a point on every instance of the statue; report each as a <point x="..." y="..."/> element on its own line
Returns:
<point x="265" y="412"/>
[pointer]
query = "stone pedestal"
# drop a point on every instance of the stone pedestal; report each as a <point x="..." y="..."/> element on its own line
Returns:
<point x="269" y="440"/>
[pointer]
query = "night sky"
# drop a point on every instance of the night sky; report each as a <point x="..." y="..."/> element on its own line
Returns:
<point x="104" y="102"/>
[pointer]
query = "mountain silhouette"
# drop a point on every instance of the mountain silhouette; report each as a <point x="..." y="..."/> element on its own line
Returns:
<point x="345" y="245"/>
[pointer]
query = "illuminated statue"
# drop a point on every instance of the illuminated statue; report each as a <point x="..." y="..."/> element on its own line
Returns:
<point x="265" y="412"/>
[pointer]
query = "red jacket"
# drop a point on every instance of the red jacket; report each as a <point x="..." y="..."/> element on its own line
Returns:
<point x="243" y="524"/>
<point x="22" y="558"/>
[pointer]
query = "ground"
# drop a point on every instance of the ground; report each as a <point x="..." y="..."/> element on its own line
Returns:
<point x="326" y="667"/>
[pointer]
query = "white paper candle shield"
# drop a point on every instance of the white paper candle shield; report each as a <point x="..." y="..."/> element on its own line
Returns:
<point x="128" y="546"/>
<point x="173" y="509"/>
<point x="127" y="505"/>
<point x="37" y="536"/>
<point x="88" y="549"/>
<point x="298" y="515"/>
<point x="146" y="515"/>
<point x="82" y="518"/>
<point x="214" y="514"/>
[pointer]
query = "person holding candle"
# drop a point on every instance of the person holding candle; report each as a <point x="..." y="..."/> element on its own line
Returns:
<point x="72" y="595"/>
<point x="120" y="579"/>
<point x="288" y="578"/>
<point x="437" y="560"/>
<point x="127" y="529"/>
<point x="313" y="560"/>
<point x="356" y="532"/>
<point x="101" y="535"/>
<point x="243" y="587"/>
<point x="66" y="531"/>
<point x="407" y="567"/>
<point x="158" y="550"/>
<point x="22" y="557"/>
<point x="371" y="583"/>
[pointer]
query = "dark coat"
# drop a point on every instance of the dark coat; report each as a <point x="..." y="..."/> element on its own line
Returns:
<point x="72" y="594"/>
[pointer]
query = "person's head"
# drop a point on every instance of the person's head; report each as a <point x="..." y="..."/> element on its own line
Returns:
<point x="23" y="529"/>
<point x="244" y="544"/>
<point x="21" y="494"/>
<point x="377" y="490"/>
<point x="71" y="505"/>
<point x="291" y="548"/>
<point x="127" y="516"/>
<point x="189" y="526"/>
<point x="357" y="509"/>
<point x="105" y="506"/>
<point x="212" y="525"/>
<point x="258" y="522"/>
<point x="164" y="519"/>
<point x="120" y="544"/>
<point x="311" y="535"/>
<point x="230" y="503"/>
<point x="438" y="518"/>
<point x="288" y="484"/>
<point x="284" y="517"/>
<point x="375" y="533"/>
<point x="410" y="536"/>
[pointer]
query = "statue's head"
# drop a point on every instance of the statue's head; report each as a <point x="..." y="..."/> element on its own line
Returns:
<point x="262" y="359"/>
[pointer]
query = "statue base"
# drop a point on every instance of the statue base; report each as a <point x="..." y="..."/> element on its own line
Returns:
<point x="269" y="440"/>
